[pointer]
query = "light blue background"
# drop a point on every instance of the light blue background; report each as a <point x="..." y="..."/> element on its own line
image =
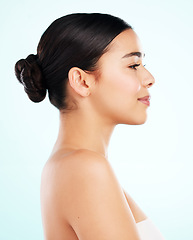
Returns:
<point x="154" y="162"/>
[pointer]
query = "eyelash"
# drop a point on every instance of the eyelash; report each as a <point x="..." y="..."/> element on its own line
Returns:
<point x="135" y="66"/>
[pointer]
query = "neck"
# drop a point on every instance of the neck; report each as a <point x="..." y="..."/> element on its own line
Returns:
<point x="81" y="130"/>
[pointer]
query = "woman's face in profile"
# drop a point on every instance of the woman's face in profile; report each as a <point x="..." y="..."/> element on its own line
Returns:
<point x="123" y="80"/>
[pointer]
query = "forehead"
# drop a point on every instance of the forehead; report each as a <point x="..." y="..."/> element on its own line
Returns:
<point x="124" y="43"/>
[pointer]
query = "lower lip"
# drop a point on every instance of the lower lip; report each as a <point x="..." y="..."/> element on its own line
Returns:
<point x="146" y="102"/>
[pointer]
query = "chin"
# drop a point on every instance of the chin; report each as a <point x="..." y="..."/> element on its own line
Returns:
<point x="140" y="123"/>
<point x="137" y="121"/>
<point x="138" y="118"/>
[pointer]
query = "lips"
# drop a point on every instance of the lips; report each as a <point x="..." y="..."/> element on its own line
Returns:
<point x="145" y="100"/>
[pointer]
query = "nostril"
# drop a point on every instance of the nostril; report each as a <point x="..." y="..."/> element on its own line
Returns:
<point x="149" y="85"/>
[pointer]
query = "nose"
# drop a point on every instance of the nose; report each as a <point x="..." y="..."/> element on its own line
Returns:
<point x="148" y="80"/>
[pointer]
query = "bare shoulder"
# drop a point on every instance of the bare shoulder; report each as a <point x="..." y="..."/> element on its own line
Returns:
<point x="66" y="169"/>
<point x="73" y="162"/>
<point x="90" y="198"/>
<point x="80" y="167"/>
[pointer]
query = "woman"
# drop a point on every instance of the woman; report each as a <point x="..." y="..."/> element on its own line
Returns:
<point x="91" y="65"/>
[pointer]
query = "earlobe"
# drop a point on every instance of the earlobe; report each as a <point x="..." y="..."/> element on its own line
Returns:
<point x="77" y="80"/>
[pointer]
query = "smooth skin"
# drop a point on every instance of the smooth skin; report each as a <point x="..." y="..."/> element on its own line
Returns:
<point x="80" y="195"/>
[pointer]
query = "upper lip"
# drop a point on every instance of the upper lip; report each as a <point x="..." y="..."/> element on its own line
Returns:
<point x="146" y="98"/>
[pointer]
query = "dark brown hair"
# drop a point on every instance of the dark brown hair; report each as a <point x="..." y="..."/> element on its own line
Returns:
<point x="75" y="40"/>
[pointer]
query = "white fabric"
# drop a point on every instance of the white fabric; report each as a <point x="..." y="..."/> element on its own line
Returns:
<point x="148" y="231"/>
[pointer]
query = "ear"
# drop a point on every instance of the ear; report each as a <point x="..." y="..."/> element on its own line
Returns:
<point x="78" y="80"/>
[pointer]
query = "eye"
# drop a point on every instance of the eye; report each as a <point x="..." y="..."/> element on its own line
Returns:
<point x="134" y="66"/>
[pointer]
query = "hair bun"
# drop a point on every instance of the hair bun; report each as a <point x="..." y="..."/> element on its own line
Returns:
<point x="29" y="73"/>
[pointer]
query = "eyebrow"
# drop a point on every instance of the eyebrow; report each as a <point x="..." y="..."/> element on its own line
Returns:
<point x="138" y="54"/>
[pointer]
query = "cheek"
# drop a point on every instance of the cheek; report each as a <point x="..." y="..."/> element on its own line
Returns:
<point x="130" y="86"/>
<point x="118" y="93"/>
<point x="122" y="84"/>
